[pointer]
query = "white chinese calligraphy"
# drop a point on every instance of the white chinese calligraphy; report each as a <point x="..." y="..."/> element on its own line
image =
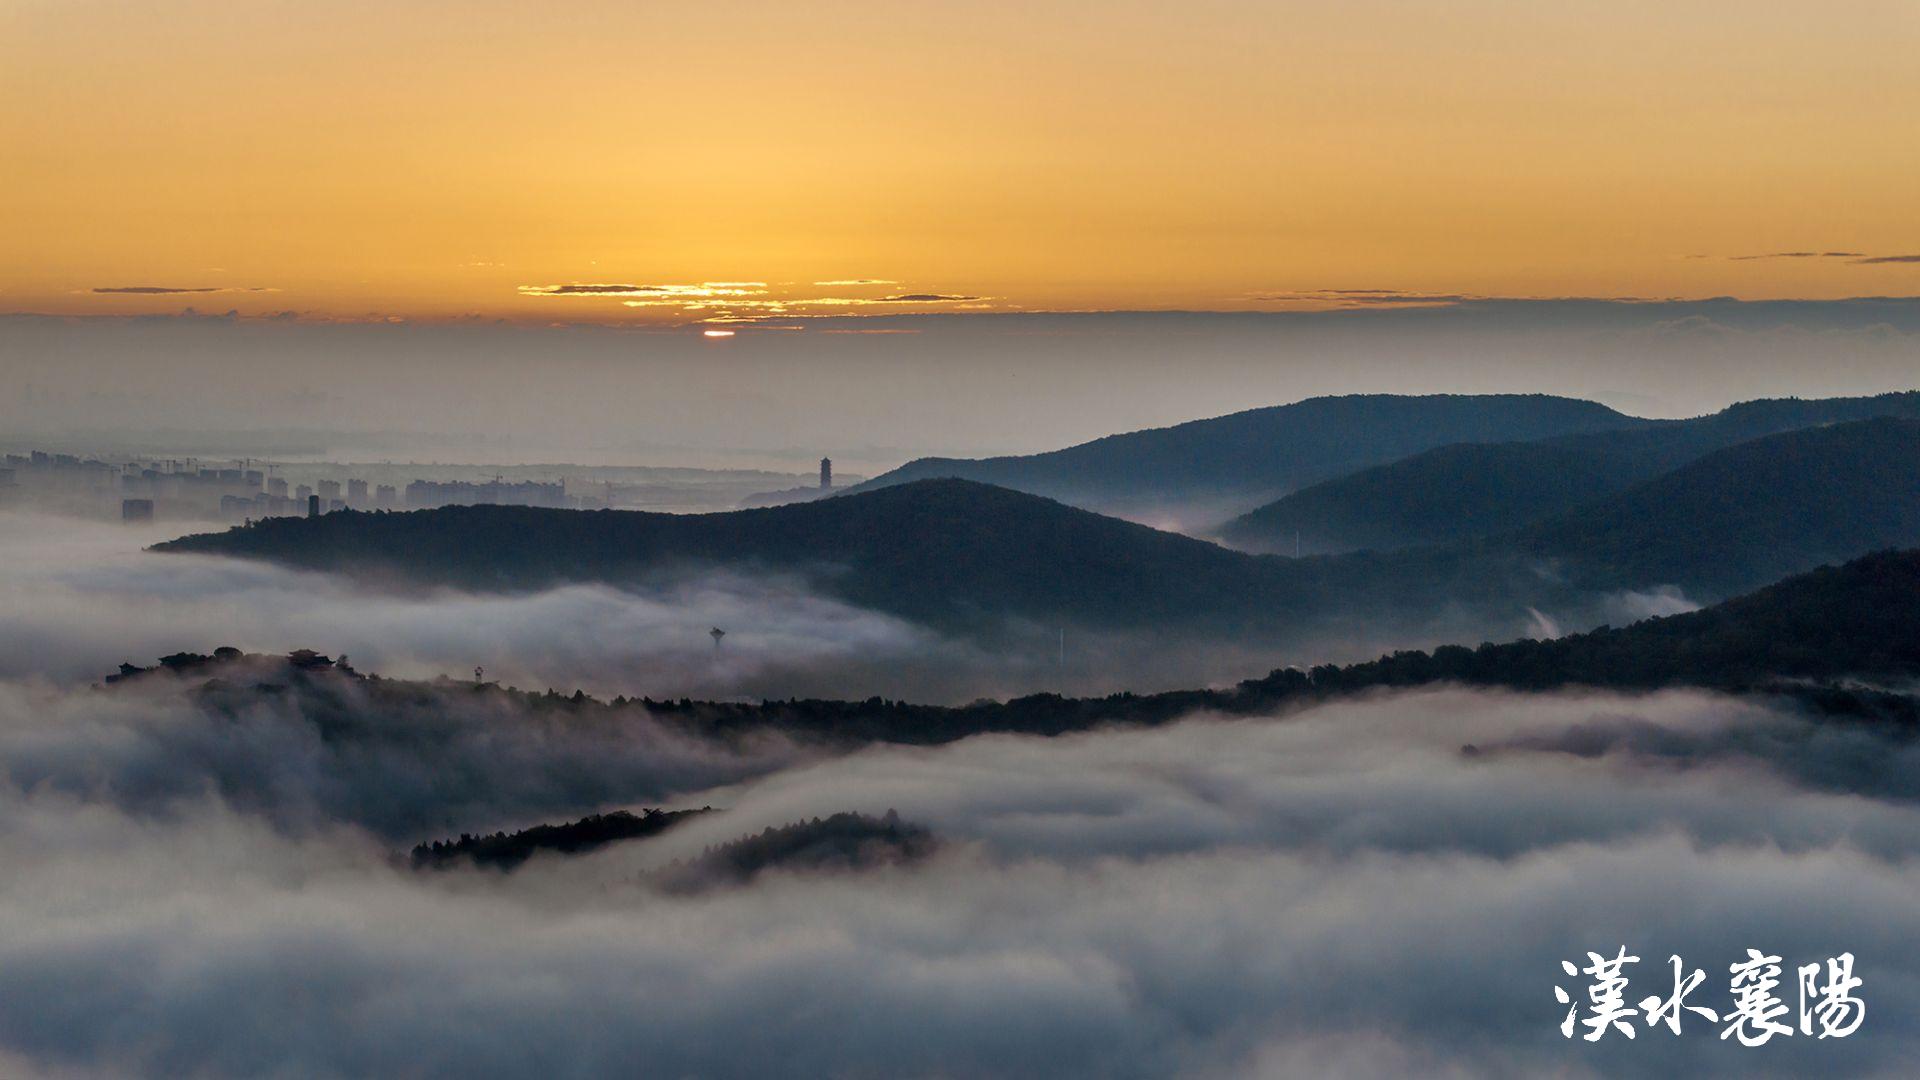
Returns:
<point x="1668" y="1011"/>
<point x="1837" y="1010"/>
<point x="1829" y="1007"/>
<point x="1606" y="996"/>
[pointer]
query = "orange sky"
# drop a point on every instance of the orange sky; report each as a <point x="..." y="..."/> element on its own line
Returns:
<point x="428" y="159"/>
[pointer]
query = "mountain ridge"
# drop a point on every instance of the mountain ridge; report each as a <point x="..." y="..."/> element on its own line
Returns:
<point x="983" y="561"/>
<point x="1196" y="467"/>
<point x="1465" y="490"/>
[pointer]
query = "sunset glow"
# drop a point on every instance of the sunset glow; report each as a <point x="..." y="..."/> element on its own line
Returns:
<point x="346" y="160"/>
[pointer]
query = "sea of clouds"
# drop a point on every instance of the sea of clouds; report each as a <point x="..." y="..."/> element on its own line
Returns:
<point x="1376" y="887"/>
<point x="1382" y="886"/>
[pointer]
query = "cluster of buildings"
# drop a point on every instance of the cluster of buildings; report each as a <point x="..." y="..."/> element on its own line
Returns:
<point x="276" y="499"/>
<point x="328" y="496"/>
<point x="56" y="481"/>
<point x="144" y="490"/>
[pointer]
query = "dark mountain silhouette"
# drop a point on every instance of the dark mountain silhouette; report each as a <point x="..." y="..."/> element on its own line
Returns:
<point x="1218" y="467"/>
<point x="947" y="552"/>
<point x="1751" y="513"/>
<point x="979" y="560"/>
<point x="1468" y="490"/>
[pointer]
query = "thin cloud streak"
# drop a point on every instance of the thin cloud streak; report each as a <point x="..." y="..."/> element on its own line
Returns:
<point x="727" y="301"/>
<point x="1363" y="298"/>
<point x="1798" y="255"/>
<point x="1855" y="258"/>
<point x="173" y="290"/>
<point x="702" y="289"/>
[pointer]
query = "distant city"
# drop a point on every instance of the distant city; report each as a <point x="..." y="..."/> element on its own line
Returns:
<point x="148" y="489"/>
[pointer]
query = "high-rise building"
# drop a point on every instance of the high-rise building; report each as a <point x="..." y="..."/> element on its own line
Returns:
<point x="386" y="496"/>
<point x="356" y="493"/>
<point x="826" y="473"/>
<point x="328" y="489"/>
<point x="136" y="509"/>
<point x="313" y="505"/>
<point x="303" y="493"/>
<point x="277" y="487"/>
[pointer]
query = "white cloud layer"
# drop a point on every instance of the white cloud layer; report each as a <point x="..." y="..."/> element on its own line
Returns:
<point x="1343" y="892"/>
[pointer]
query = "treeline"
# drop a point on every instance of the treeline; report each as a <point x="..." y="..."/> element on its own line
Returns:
<point x="506" y="851"/>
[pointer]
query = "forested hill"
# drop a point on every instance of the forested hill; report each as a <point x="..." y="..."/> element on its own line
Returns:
<point x="1468" y="490"/>
<point x="945" y="552"/>
<point x="1245" y="458"/>
<point x="1809" y="637"/>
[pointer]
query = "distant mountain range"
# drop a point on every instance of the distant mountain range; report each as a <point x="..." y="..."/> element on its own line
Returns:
<point x="1458" y="492"/>
<point x="976" y="559"/>
<point x="1208" y="470"/>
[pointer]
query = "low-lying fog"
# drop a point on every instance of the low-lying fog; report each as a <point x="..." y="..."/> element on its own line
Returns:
<point x="1339" y="892"/>
<point x="79" y="597"/>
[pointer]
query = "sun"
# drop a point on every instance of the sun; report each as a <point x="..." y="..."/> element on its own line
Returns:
<point x="716" y="333"/>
